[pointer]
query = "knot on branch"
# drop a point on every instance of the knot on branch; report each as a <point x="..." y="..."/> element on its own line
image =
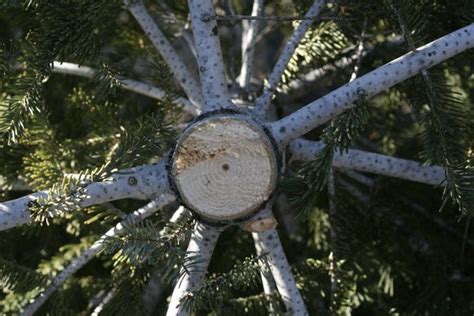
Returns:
<point x="205" y="17"/>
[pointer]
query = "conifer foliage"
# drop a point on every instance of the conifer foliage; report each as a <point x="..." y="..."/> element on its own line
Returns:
<point x="94" y="93"/>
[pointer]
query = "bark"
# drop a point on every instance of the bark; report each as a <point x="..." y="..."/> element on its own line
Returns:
<point x="88" y="254"/>
<point x="155" y="287"/>
<point x="372" y="83"/>
<point x="371" y="162"/>
<point x="127" y="84"/>
<point x="269" y="286"/>
<point x="281" y="271"/>
<point x="248" y="45"/>
<point x="333" y="258"/>
<point x="161" y="43"/>
<point x="263" y="102"/>
<point x="210" y="62"/>
<point x="202" y="243"/>
<point x="143" y="182"/>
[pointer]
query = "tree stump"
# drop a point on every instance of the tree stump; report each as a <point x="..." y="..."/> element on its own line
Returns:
<point x="224" y="167"/>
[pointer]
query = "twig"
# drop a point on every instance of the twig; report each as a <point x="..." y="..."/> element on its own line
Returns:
<point x="263" y="102"/>
<point x="128" y="84"/>
<point x="248" y="45"/>
<point x="273" y="18"/>
<point x="333" y="237"/>
<point x="161" y="43"/>
<point x="372" y="83"/>
<point x="313" y="75"/>
<point x="105" y="300"/>
<point x="155" y="287"/>
<point x="88" y="254"/>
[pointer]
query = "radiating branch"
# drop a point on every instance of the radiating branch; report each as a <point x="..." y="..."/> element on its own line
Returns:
<point x="210" y="62"/>
<point x="202" y="244"/>
<point x="263" y="102"/>
<point x="370" y="162"/>
<point x="281" y="271"/>
<point x="333" y="256"/>
<point x="88" y="254"/>
<point x="127" y="84"/>
<point x="161" y="43"/>
<point x="142" y="182"/>
<point x="372" y="83"/>
<point x="155" y="287"/>
<point x="249" y="36"/>
<point x="299" y="85"/>
<point x="269" y="286"/>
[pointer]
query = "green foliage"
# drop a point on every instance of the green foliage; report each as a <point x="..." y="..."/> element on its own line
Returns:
<point x="5" y="56"/>
<point x="219" y="288"/>
<point x="107" y="80"/>
<point x="444" y="115"/>
<point x="16" y="278"/>
<point x="305" y="187"/>
<point x="136" y="145"/>
<point x="69" y="30"/>
<point x="319" y="45"/>
<point x="144" y="244"/>
<point x="17" y="109"/>
<point x="140" y="142"/>
<point x="395" y="255"/>
<point x="259" y="304"/>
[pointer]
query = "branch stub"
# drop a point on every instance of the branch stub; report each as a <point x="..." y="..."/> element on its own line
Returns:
<point x="224" y="167"/>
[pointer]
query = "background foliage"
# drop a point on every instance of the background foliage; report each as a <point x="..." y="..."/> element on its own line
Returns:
<point x="396" y="252"/>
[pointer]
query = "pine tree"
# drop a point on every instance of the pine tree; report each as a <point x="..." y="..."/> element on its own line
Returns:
<point x="236" y="157"/>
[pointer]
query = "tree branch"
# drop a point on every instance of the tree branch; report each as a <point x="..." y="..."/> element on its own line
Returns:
<point x="248" y="45"/>
<point x="370" y="162"/>
<point x="127" y="84"/>
<point x="263" y="102"/>
<point x="211" y="64"/>
<point x="161" y="43"/>
<point x="202" y="243"/>
<point x="269" y="286"/>
<point x="284" y="279"/>
<point x="155" y="287"/>
<point x="88" y="254"/>
<point x="142" y="182"/>
<point x="372" y="83"/>
<point x="299" y="86"/>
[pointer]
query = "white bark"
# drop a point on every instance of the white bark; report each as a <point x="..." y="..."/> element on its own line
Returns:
<point x="262" y="103"/>
<point x="371" y="162"/>
<point x="210" y="62"/>
<point x="127" y="84"/>
<point x="314" y="75"/>
<point x="143" y="182"/>
<point x="372" y="83"/>
<point x="202" y="243"/>
<point x="269" y="287"/>
<point x="299" y="85"/>
<point x="105" y="300"/>
<point x="281" y="271"/>
<point x="248" y="45"/>
<point x="333" y="237"/>
<point x="88" y="254"/>
<point x="155" y="287"/>
<point x="161" y="43"/>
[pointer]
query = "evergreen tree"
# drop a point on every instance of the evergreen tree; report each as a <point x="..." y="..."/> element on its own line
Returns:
<point x="236" y="157"/>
